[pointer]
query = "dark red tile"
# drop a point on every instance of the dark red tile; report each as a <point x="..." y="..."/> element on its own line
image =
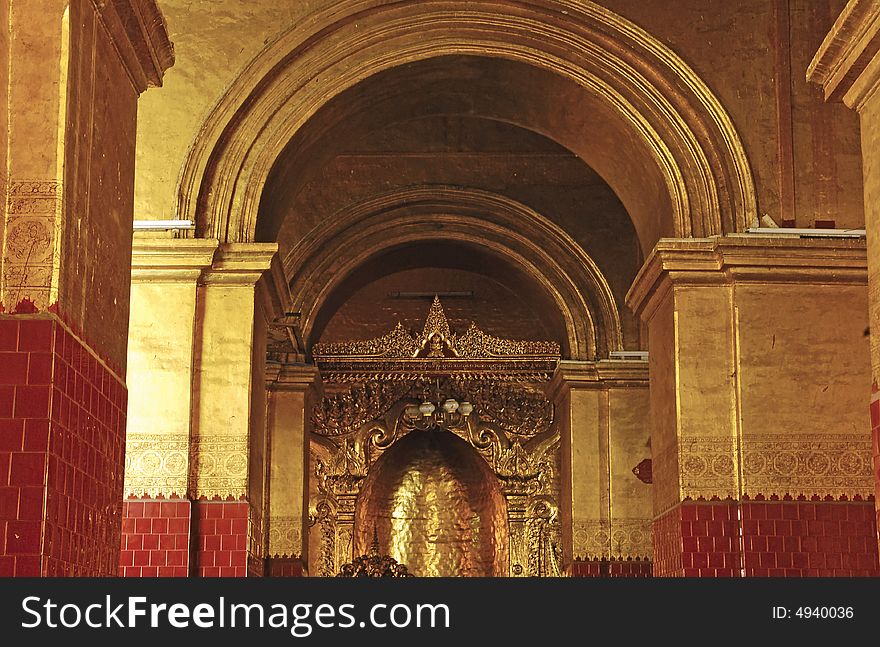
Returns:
<point x="39" y="368"/>
<point x="27" y="468"/>
<point x="13" y="368"/>
<point x="7" y="398"/>
<point x="11" y="435"/>
<point x="30" y="504"/>
<point x="23" y="537"/>
<point x="36" y="435"/>
<point x="32" y="402"/>
<point x="35" y="334"/>
<point x="8" y="334"/>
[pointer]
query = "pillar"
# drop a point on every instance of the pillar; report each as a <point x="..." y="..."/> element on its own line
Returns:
<point x="196" y="454"/>
<point x="760" y="466"/>
<point x="601" y="409"/>
<point x="156" y="511"/>
<point x="70" y="77"/>
<point x="847" y="66"/>
<point x="292" y="391"/>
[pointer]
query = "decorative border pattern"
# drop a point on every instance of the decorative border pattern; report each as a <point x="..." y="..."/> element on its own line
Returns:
<point x="285" y="536"/>
<point x="218" y="467"/>
<point x="808" y="464"/>
<point x="156" y="464"/>
<point x="32" y="230"/>
<point x="617" y="538"/>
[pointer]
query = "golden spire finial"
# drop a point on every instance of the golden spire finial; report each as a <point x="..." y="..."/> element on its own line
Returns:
<point x="436" y="322"/>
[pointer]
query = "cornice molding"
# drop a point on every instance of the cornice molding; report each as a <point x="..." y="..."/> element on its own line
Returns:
<point x="140" y="37"/>
<point x="846" y="64"/>
<point x="742" y="258"/>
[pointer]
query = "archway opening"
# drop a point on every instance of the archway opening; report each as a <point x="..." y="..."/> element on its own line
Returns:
<point x="435" y="507"/>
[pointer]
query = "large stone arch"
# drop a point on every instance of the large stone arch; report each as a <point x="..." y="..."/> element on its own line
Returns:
<point x="642" y="93"/>
<point x="555" y="262"/>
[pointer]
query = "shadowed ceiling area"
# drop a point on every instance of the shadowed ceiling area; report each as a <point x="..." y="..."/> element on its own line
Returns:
<point x="464" y="122"/>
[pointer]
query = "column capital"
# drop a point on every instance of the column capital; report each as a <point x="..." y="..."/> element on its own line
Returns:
<point x="292" y="377"/>
<point x="171" y="260"/>
<point x="603" y="374"/>
<point x="240" y="264"/>
<point x="738" y="258"/>
<point x="846" y="65"/>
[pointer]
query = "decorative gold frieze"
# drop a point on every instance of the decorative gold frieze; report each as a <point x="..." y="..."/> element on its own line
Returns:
<point x="808" y="464"/>
<point x="435" y="341"/>
<point x="285" y="537"/>
<point x="219" y="467"/>
<point x="708" y="467"/>
<point x="618" y="538"/>
<point x="156" y="464"/>
<point x="590" y="538"/>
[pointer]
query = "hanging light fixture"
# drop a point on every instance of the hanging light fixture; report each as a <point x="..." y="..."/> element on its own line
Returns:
<point x="438" y="412"/>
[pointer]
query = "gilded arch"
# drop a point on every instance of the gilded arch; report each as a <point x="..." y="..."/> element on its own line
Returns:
<point x="662" y="103"/>
<point x="322" y="260"/>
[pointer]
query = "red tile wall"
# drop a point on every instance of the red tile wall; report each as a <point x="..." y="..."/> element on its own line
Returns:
<point x="875" y="435"/>
<point x="697" y="539"/>
<point x="611" y="568"/>
<point x="221" y="536"/>
<point x="767" y="539"/>
<point x="284" y="567"/>
<point x="155" y="538"/>
<point x="62" y="443"/>
<point x="809" y="538"/>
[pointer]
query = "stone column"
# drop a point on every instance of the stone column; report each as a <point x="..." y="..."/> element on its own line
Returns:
<point x="595" y="403"/>
<point x="221" y="473"/>
<point x="292" y="391"/>
<point x="156" y="514"/>
<point x="847" y="66"/>
<point x="70" y="77"/>
<point x="756" y="355"/>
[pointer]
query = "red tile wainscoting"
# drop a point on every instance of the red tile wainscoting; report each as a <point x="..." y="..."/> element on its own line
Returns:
<point x="767" y="539"/>
<point x="221" y="536"/>
<point x="155" y="538"/>
<point x="875" y="435"/>
<point x="62" y="444"/>
<point x="284" y="567"/>
<point x="611" y="568"/>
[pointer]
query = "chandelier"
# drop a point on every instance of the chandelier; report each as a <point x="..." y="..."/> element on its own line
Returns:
<point x="438" y="412"/>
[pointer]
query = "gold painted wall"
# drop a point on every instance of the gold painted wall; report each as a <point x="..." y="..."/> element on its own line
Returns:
<point x="765" y="364"/>
<point x="70" y="114"/>
<point x="213" y="40"/>
<point x="99" y="184"/>
<point x="730" y="45"/>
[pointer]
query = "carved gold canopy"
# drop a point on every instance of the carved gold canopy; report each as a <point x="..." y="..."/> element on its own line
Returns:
<point x="436" y="350"/>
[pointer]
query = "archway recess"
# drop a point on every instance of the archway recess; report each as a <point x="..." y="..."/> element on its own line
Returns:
<point x="669" y="125"/>
<point x="323" y="260"/>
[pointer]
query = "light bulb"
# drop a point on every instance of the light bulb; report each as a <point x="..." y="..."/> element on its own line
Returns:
<point x="465" y="408"/>
<point x="426" y="408"/>
<point x="450" y="406"/>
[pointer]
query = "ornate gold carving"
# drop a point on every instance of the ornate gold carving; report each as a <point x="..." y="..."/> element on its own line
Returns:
<point x="219" y="467"/>
<point x="373" y="565"/>
<point x="285" y="537"/>
<point x="808" y="464"/>
<point x="156" y="464"/>
<point x="436" y="341"/>
<point x="344" y="413"/>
